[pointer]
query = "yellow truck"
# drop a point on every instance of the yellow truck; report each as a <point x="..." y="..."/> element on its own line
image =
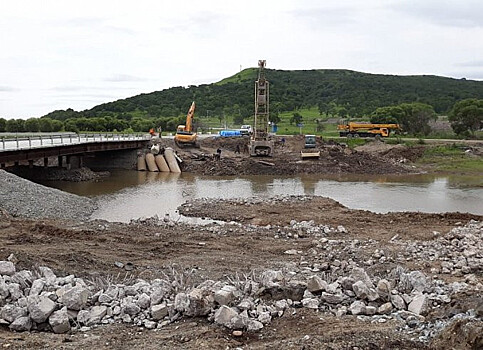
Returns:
<point x="355" y="129"/>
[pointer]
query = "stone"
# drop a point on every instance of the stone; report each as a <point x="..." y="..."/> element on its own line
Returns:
<point x="150" y="324"/>
<point x="4" y="292"/>
<point x="59" y="321"/>
<point x="254" y="325"/>
<point x="418" y="304"/>
<point x="332" y="298"/>
<point x="364" y="292"/>
<point x="104" y="298"/>
<point x="96" y="313"/>
<point x="264" y="317"/>
<point x="49" y="275"/>
<point x="245" y="304"/>
<point x="240" y="321"/>
<point x="417" y="279"/>
<point x="126" y="318"/>
<point x="357" y="308"/>
<point x="11" y="312"/>
<point x="40" y="308"/>
<point x="237" y="333"/>
<point x="21" y="324"/>
<point x="310" y="303"/>
<point x="157" y="296"/>
<point x="270" y="278"/>
<point x="15" y="291"/>
<point x="131" y="309"/>
<point x="398" y="302"/>
<point x="143" y="301"/>
<point x="37" y="287"/>
<point x="341" y="311"/>
<point x="201" y="302"/>
<point x="359" y="274"/>
<point x="281" y="305"/>
<point x="159" y="311"/>
<point x="370" y="310"/>
<point x="224" y="315"/>
<point x="347" y="282"/>
<point x="83" y="317"/>
<point x="75" y="298"/>
<point x="225" y="295"/>
<point x="383" y="288"/>
<point x="24" y="278"/>
<point x="316" y="284"/>
<point x="385" y="309"/>
<point x="7" y="268"/>
<point x="181" y="302"/>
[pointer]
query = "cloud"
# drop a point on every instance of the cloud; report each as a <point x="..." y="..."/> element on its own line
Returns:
<point x="326" y="16"/>
<point x="119" y="78"/>
<point x="476" y="63"/>
<point x="82" y="22"/>
<point x="74" y="88"/>
<point x="465" y="14"/>
<point x="7" y="89"/>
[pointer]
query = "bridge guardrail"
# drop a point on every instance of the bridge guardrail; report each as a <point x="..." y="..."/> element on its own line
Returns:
<point x="19" y="143"/>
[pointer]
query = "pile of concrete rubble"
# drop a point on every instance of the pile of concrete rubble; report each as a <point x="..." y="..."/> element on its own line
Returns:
<point x="40" y="300"/>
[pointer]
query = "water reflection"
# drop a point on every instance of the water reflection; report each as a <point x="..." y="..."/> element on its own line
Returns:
<point x="131" y="194"/>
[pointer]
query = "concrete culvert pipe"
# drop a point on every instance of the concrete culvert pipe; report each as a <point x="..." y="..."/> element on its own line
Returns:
<point x="171" y="160"/>
<point x="161" y="163"/>
<point x="151" y="163"/>
<point x="141" y="162"/>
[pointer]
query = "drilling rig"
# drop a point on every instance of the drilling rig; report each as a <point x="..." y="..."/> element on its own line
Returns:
<point x="260" y="142"/>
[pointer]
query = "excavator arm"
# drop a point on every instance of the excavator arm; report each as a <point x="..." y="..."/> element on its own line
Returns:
<point x="189" y="118"/>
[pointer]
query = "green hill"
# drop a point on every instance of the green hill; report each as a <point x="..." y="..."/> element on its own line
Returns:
<point x="330" y="92"/>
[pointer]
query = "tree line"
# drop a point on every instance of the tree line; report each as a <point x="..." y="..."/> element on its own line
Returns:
<point x="341" y="93"/>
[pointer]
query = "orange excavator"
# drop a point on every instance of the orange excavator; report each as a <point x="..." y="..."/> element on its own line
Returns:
<point x="184" y="133"/>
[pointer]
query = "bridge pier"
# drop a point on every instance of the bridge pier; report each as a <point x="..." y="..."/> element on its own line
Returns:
<point x="46" y="162"/>
<point x="59" y="161"/>
<point x="2" y="165"/>
<point x="31" y="163"/>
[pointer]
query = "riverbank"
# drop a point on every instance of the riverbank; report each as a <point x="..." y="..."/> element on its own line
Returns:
<point x="336" y="157"/>
<point x="286" y="272"/>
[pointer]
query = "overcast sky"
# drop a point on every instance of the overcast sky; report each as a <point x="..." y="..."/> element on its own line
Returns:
<point x="78" y="54"/>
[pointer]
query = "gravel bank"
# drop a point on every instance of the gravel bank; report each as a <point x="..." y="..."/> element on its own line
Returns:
<point x="22" y="198"/>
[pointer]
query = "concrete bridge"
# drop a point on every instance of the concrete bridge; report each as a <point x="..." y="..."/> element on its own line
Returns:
<point x="69" y="147"/>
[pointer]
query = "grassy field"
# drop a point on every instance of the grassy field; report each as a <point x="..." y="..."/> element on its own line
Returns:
<point x="451" y="158"/>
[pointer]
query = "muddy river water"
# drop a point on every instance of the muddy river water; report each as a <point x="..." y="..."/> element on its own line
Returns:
<point x="126" y="195"/>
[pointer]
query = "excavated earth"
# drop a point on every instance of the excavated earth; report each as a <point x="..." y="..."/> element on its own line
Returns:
<point x="259" y="235"/>
<point x="334" y="158"/>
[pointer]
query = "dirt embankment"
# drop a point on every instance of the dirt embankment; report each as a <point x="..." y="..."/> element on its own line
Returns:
<point x="334" y="158"/>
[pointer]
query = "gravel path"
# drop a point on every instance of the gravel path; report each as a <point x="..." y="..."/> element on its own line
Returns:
<point x="22" y="198"/>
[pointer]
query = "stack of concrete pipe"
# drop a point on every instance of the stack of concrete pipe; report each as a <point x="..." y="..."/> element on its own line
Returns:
<point x="164" y="163"/>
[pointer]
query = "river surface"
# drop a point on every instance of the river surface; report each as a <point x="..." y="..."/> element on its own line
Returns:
<point x="127" y="194"/>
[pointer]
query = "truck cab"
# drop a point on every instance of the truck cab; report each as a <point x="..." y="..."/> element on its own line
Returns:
<point x="246" y="130"/>
<point x="310" y="141"/>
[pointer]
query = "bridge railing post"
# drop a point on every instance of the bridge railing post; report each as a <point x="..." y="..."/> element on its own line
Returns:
<point x="30" y="142"/>
<point x="3" y="142"/>
<point x="16" y="138"/>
